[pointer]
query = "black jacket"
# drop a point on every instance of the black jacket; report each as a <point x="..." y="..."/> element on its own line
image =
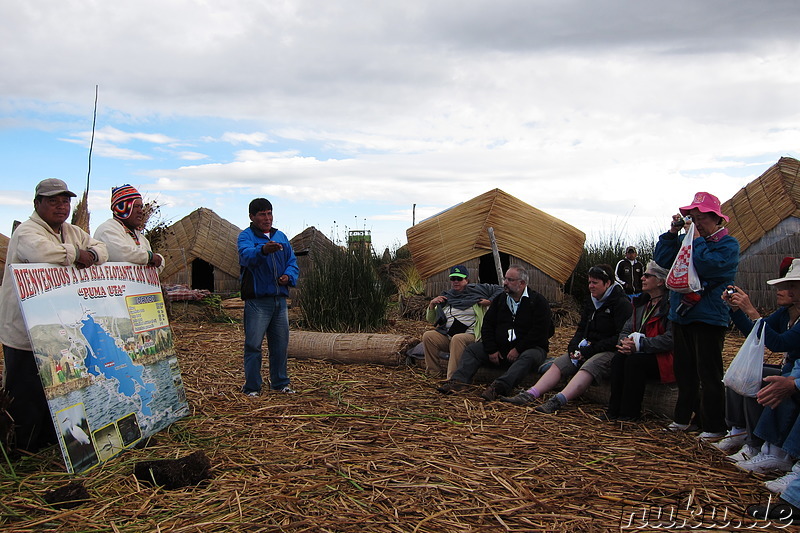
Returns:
<point x="532" y="325"/>
<point x="601" y="327"/>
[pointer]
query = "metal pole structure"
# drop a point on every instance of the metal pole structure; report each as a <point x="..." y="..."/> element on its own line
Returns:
<point x="496" y="254"/>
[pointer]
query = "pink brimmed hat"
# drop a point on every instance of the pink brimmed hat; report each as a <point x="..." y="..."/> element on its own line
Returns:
<point x="705" y="203"/>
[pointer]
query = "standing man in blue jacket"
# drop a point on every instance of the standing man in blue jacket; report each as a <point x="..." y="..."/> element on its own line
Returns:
<point x="268" y="269"/>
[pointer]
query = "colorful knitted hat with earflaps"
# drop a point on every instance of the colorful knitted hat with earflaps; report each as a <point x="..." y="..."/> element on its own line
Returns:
<point x="122" y="199"/>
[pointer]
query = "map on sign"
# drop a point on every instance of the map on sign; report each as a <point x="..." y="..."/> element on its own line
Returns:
<point x="105" y="353"/>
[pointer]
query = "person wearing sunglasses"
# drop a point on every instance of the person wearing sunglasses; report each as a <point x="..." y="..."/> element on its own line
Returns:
<point x="589" y="353"/>
<point x="515" y="336"/>
<point x="457" y="315"/>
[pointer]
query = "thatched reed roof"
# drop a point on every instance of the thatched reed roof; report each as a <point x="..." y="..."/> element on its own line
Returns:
<point x="311" y="241"/>
<point x="521" y="230"/>
<point x="764" y="202"/>
<point x="202" y="234"/>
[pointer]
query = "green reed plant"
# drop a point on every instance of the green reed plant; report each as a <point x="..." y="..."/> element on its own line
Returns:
<point x="343" y="292"/>
<point x="608" y="249"/>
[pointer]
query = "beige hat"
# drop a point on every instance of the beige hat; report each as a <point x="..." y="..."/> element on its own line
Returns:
<point x="793" y="274"/>
<point x="53" y="187"/>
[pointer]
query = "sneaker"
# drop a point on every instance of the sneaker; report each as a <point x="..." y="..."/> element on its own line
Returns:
<point x="674" y="426"/>
<point x="550" y="406"/>
<point x="523" y="398"/>
<point x="492" y="392"/>
<point x="252" y="393"/>
<point x="730" y="442"/>
<point x="708" y="436"/>
<point x="449" y="387"/>
<point x="745" y="453"/>
<point x="764" y="463"/>
<point x="779" y="485"/>
<point x="287" y="390"/>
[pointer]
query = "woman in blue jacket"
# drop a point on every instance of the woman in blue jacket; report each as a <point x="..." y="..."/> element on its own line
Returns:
<point x="700" y="319"/>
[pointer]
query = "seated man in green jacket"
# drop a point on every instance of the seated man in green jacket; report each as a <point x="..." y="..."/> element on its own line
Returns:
<point x="457" y="314"/>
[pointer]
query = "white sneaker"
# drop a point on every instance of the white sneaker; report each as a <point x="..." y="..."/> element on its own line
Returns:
<point x="746" y="452"/>
<point x="674" y="426"/>
<point x="731" y="442"/>
<point x="287" y="390"/>
<point x="779" y="485"/>
<point x="766" y="462"/>
<point x="708" y="436"/>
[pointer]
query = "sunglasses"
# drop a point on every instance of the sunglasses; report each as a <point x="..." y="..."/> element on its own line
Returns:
<point x="457" y="278"/>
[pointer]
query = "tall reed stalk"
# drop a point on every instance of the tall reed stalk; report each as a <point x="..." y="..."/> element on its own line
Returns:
<point x="342" y="292"/>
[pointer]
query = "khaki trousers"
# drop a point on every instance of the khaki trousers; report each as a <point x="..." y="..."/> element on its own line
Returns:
<point x="434" y="342"/>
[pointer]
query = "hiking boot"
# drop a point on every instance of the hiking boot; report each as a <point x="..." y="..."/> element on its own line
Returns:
<point x="550" y="406"/>
<point x="492" y="392"/>
<point x="523" y="398"/>
<point x="449" y="387"/>
<point x="731" y="442"/>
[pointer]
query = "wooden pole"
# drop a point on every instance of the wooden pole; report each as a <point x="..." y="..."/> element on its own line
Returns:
<point x="496" y="255"/>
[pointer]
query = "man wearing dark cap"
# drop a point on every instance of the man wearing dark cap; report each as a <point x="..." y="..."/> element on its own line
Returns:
<point x="629" y="272"/>
<point x="268" y="269"/>
<point x="46" y="237"/>
<point x="457" y="314"/>
<point x="122" y="233"/>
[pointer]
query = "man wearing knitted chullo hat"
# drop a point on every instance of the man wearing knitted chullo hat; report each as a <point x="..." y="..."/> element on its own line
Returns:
<point x="123" y="232"/>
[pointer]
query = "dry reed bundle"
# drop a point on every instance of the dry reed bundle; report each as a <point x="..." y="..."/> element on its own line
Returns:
<point x="375" y="448"/>
<point x="377" y="348"/>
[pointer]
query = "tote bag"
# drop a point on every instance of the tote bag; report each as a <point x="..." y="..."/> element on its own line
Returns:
<point x="745" y="371"/>
<point x="682" y="276"/>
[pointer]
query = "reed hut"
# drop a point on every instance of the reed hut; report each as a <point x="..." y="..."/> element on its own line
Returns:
<point x="548" y="247"/>
<point x="765" y="219"/>
<point x="3" y="253"/>
<point x="200" y="252"/>
<point x="310" y="245"/>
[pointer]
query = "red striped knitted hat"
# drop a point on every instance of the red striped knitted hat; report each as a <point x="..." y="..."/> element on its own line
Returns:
<point x="122" y="199"/>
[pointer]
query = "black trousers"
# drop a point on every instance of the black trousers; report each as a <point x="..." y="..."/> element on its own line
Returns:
<point x="33" y="425"/>
<point x="629" y="375"/>
<point x="698" y="372"/>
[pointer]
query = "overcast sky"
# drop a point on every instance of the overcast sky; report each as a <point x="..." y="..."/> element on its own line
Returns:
<point x="608" y="115"/>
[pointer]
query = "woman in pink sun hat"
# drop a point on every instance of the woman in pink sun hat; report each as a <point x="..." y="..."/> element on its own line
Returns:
<point x="700" y="319"/>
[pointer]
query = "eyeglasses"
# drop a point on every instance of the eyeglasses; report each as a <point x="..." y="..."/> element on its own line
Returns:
<point x="648" y="275"/>
<point x="511" y="279"/>
<point x="598" y="273"/>
<point x="457" y="278"/>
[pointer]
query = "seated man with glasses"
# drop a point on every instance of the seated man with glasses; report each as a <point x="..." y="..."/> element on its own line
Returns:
<point x="457" y="314"/>
<point x="515" y="335"/>
<point x="592" y="348"/>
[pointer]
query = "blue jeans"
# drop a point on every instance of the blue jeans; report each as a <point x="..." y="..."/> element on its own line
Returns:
<point x="265" y="316"/>
<point x="780" y="426"/>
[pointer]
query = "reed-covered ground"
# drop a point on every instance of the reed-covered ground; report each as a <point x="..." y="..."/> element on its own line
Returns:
<point x="372" y="448"/>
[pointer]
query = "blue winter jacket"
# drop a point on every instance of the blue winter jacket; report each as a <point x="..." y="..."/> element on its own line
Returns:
<point x="260" y="272"/>
<point x="716" y="264"/>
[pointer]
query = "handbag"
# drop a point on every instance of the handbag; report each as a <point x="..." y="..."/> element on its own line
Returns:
<point x="682" y="275"/>
<point x="744" y="374"/>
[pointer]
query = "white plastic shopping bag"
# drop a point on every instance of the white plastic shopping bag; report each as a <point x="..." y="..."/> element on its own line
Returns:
<point x="744" y="374"/>
<point x="682" y="276"/>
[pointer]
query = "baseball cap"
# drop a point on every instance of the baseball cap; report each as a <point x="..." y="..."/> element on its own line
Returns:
<point x="459" y="271"/>
<point x="53" y="187"/>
